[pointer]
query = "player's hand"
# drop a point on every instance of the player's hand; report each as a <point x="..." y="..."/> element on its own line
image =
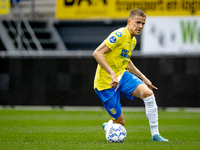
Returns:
<point x="115" y="82"/>
<point x="149" y="84"/>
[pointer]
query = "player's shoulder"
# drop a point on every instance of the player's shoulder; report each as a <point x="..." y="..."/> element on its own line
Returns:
<point x="119" y="32"/>
<point x="114" y="37"/>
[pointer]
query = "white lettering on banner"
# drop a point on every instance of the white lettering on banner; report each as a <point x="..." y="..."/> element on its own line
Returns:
<point x="171" y="35"/>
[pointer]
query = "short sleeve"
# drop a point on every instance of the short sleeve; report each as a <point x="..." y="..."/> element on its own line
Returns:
<point x="111" y="41"/>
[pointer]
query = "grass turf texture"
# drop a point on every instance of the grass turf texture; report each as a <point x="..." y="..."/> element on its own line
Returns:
<point x="59" y="129"/>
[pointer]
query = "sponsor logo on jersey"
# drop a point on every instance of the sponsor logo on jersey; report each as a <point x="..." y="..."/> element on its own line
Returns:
<point x="124" y="53"/>
<point x="112" y="39"/>
<point x="119" y="34"/>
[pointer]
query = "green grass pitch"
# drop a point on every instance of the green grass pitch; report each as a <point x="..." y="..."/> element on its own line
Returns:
<point x="59" y="129"/>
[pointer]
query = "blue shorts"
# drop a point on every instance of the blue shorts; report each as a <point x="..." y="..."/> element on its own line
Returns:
<point x="111" y="99"/>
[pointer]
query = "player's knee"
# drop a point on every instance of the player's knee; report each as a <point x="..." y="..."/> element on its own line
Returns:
<point x="147" y="93"/>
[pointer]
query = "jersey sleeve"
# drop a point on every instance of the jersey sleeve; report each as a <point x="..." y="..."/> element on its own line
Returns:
<point x="111" y="41"/>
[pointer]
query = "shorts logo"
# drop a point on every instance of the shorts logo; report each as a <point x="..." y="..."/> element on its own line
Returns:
<point x="134" y="77"/>
<point x="113" y="111"/>
<point x="112" y="39"/>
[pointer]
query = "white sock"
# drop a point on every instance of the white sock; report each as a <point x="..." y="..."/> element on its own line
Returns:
<point x="152" y="114"/>
<point x="154" y="130"/>
<point x="110" y="122"/>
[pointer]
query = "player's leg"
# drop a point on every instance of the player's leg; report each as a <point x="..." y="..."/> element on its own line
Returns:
<point x="113" y="107"/>
<point x="143" y="92"/>
<point x="111" y="102"/>
<point x="133" y="87"/>
<point x="119" y="120"/>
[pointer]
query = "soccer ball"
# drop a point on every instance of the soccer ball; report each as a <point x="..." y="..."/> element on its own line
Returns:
<point x="116" y="133"/>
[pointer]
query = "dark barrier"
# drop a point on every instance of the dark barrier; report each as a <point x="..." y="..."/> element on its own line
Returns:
<point x="87" y="35"/>
<point x="69" y="82"/>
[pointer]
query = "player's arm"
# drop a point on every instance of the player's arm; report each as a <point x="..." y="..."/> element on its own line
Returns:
<point x="99" y="55"/>
<point x="133" y="69"/>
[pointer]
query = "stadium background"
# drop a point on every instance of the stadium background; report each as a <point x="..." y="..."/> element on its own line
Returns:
<point x="46" y="50"/>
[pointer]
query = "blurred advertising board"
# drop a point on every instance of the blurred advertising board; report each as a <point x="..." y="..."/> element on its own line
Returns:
<point x="119" y="9"/>
<point x="4" y="7"/>
<point x="171" y="35"/>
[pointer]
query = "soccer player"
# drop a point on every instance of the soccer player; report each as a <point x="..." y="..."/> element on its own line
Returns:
<point x="117" y="75"/>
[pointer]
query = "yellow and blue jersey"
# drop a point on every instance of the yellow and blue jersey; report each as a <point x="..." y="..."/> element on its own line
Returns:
<point x="121" y="45"/>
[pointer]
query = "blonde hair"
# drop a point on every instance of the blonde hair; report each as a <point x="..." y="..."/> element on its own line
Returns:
<point x="136" y="12"/>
